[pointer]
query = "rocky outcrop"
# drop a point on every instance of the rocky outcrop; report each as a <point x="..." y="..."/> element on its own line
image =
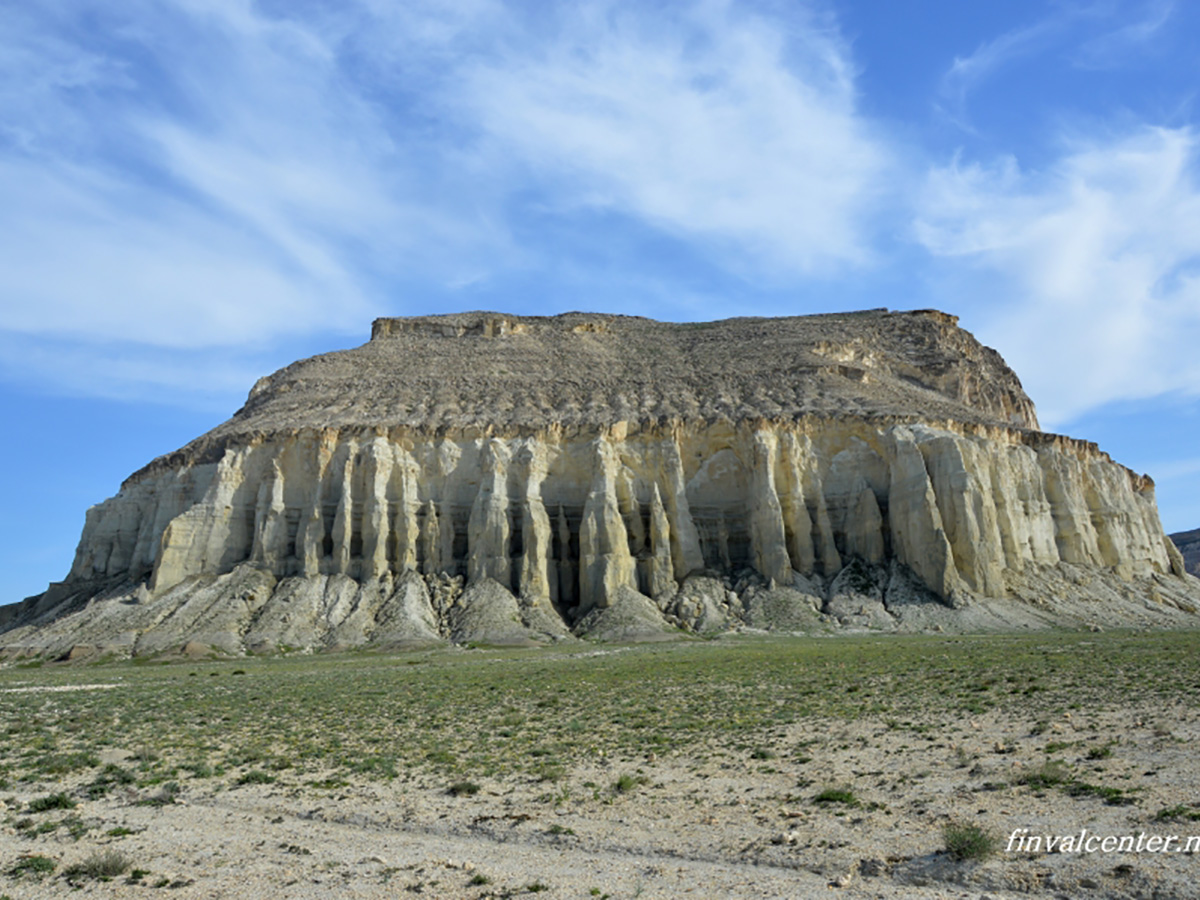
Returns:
<point x="329" y="532"/>
<point x="1187" y="543"/>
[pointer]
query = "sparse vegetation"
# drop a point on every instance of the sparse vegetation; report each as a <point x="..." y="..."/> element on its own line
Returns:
<point x="109" y="777"/>
<point x="1179" y="813"/>
<point x="771" y="711"/>
<point x="1050" y="774"/>
<point x="256" y="776"/>
<point x="51" y="801"/>
<point x="399" y="720"/>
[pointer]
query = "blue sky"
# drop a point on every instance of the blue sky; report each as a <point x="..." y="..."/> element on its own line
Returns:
<point x="197" y="192"/>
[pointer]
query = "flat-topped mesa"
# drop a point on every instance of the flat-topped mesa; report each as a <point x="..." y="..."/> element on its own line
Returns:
<point x="494" y="371"/>
<point x="481" y="476"/>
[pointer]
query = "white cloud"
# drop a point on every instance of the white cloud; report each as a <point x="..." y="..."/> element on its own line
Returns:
<point x="1086" y="276"/>
<point x="714" y="125"/>
<point x="198" y="175"/>
<point x="204" y="174"/>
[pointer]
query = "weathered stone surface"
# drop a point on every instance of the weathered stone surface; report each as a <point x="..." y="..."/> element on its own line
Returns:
<point x="485" y="478"/>
<point x="487" y="613"/>
<point x="626" y="616"/>
<point x="1187" y="545"/>
<point x="782" y="609"/>
<point x="702" y="604"/>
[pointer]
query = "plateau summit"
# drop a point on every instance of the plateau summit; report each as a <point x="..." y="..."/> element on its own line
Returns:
<point x="482" y="477"/>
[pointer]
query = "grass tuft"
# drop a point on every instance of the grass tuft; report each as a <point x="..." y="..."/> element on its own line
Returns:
<point x="100" y="866"/>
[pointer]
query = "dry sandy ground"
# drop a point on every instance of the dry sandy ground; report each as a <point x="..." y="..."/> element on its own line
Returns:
<point x="708" y="823"/>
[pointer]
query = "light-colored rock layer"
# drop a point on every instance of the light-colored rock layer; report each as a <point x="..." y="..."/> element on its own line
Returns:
<point x="958" y="506"/>
<point x="396" y="536"/>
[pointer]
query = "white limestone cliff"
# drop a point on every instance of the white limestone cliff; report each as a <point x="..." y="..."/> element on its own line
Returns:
<point x="402" y="534"/>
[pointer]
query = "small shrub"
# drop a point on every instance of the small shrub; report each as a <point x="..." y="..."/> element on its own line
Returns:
<point x="1182" y="812"/>
<point x="837" y="795"/>
<point x="256" y="776"/>
<point x="968" y="842"/>
<point x="1110" y="795"/>
<point x="1103" y="752"/>
<point x="627" y="783"/>
<point x="108" y="777"/>
<point x="36" y="865"/>
<point x="463" y="789"/>
<point x="537" y="887"/>
<point x="51" y="801"/>
<point x="100" y="866"/>
<point x="479" y="879"/>
<point x="1051" y="773"/>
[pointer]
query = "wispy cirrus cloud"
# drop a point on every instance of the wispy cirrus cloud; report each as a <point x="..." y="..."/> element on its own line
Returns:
<point x="1087" y="274"/>
<point x="1115" y="46"/>
<point x="966" y="73"/>
<point x="1099" y="35"/>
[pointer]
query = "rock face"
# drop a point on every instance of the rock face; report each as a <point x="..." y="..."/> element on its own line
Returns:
<point x="502" y="479"/>
<point x="1188" y="543"/>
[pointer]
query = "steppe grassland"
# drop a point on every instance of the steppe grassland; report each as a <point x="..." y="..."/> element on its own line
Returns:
<point x="444" y="719"/>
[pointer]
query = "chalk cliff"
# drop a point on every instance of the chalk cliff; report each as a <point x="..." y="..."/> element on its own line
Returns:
<point x="504" y="479"/>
